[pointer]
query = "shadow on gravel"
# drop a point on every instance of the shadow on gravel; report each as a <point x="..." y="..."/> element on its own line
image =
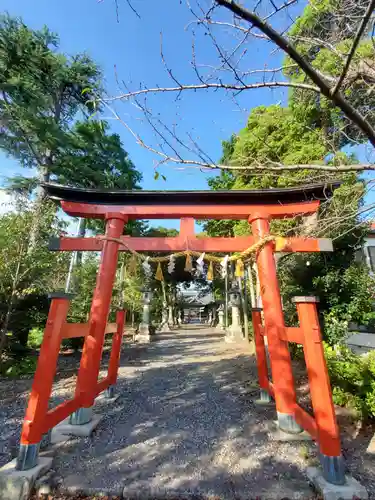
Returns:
<point x="184" y="427"/>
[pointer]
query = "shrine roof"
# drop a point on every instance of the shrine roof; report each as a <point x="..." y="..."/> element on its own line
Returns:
<point x="232" y="197"/>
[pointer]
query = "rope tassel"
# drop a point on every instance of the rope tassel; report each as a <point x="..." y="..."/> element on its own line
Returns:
<point x="159" y="273"/>
<point x="239" y="268"/>
<point x="133" y="265"/>
<point x="210" y="272"/>
<point x="188" y="263"/>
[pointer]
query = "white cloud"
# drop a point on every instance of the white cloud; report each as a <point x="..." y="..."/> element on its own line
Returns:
<point x="6" y="202"/>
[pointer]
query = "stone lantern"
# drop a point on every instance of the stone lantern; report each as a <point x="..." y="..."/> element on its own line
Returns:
<point x="220" y="313"/>
<point x="164" y="327"/>
<point x="144" y="329"/>
<point x="234" y="332"/>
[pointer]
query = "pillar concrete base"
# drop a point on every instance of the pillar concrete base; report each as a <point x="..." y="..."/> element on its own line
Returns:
<point x="105" y="397"/>
<point x="16" y="484"/>
<point x="57" y="437"/>
<point x="288" y="424"/>
<point x="144" y="334"/>
<point x="81" y="416"/>
<point x="351" y="489"/>
<point x="276" y="434"/>
<point x="233" y="337"/>
<point x="264" y="404"/>
<point x="164" y="328"/>
<point x="144" y="338"/>
<point x="371" y="447"/>
<point x="264" y="399"/>
<point x="65" y="428"/>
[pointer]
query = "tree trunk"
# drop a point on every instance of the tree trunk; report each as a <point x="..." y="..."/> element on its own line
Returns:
<point x="244" y="309"/>
<point x="4" y="328"/>
<point x="226" y="301"/>
<point x="75" y="260"/>
<point x="44" y="176"/>
<point x="8" y="315"/>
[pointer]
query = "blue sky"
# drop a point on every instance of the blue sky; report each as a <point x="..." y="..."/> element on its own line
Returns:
<point x="132" y="45"/>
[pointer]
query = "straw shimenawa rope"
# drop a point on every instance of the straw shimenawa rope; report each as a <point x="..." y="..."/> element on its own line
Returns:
<point x="245" y="255"/>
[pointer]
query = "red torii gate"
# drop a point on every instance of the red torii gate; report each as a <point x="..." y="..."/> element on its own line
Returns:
<point x="258" y="207"/>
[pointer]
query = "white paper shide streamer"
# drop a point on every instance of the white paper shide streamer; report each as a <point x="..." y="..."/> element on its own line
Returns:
<point x="147" y="268"/>
<point x="171" y="264"/>
<point x="200" y="265"/>
<point x="224" y="266"/>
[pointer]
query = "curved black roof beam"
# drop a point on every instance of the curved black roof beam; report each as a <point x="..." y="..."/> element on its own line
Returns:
<point x="241" y="197"/>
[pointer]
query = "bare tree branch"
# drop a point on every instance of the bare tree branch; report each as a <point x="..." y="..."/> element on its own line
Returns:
<point x="357" y="39"/>
<point x="231" y="70"/>
<point x="203" y="164"/>
<point x="338" y="99"/>
<point x="202" y="86"/>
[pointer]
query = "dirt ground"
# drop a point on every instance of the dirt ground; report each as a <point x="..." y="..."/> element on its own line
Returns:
<point x="185" y="425"/>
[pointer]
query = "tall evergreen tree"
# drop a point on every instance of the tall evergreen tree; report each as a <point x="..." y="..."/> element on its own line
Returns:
<point x="47" y="105"/>
<point x="42" y="93"/>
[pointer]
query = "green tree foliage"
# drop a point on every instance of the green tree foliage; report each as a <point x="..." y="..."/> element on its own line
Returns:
<point x="324" y="34"/>
<point x="45" y="96"/>
<point x="160" y="232"/>
<point x="86" y="276"/>
<point x="42" y="92"/>
<point x="277" y="134"/>
<point x="353" y="379"/>
<point x="225" y="182"/>
<point x="47" y="107"/>
<point x="93" y="157"/>
<point x="274" y="134"/>
<point x="26" y="277"/>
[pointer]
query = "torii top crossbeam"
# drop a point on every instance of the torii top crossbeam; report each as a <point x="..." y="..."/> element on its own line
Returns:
<point x="187" y="206"/>
<point x="278" y="203"/>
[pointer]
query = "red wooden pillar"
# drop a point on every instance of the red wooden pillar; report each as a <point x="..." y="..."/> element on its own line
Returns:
<point x="37" y="407"/>
<point x="320" y="390"/>
<point x="92" y="350"/>
<point x="281" y="367"/>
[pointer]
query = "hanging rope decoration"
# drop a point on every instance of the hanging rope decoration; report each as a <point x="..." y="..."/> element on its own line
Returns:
<point x="133" y="264"/>
<point x="210" y="272"/>
<point x="159" y="273"/>
<point x="188" y="263"/>
<point x="240" y="270"/>
<point x="239" y="258"/>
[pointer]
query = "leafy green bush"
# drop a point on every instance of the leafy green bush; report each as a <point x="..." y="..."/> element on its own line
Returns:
<point x="352" y="379"/>
<point x="335" y="327"/>
<point x="35" y="338"/>
<point x="21" y="367"/>
<point x="346" y="293"/>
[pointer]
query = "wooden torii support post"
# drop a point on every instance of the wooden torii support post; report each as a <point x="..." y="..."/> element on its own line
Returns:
<point x="259" y="207"/>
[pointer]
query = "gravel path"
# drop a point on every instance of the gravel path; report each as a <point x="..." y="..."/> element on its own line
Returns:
<point x="185" y="425"/>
